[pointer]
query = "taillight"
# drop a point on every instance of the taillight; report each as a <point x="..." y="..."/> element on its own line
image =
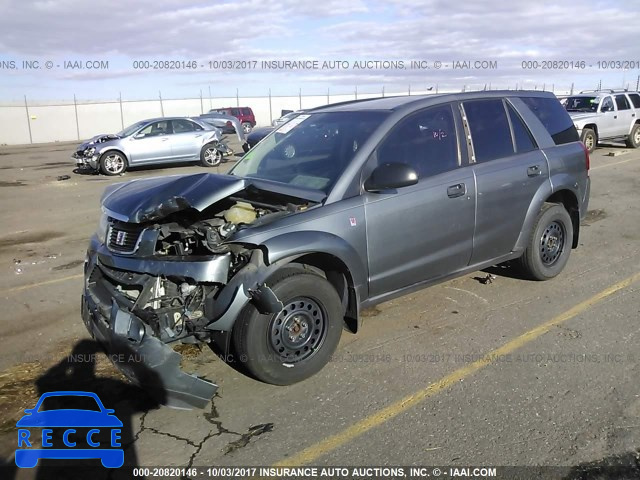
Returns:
<point x="587" y="161"/>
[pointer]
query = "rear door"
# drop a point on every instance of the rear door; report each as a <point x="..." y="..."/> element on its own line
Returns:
<point x="625" y="115"/>
<point x="186" y="141"/>
<point x="509" y="169"/>
<point x="423" y="231"/>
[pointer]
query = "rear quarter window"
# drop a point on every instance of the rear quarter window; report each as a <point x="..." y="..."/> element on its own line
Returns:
<point x="554" y="118"/>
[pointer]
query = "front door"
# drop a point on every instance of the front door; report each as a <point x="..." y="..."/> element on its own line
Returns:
<point x="151" y="144"/>
<point x="423" y="231"/>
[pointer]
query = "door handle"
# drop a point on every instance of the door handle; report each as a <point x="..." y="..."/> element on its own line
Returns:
<point x="615" y="116"/>
<point x="456" y="190"/>
<point x="534" y="171"/>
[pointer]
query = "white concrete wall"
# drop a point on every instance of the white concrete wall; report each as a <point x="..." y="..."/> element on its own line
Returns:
<point x="51" y="123"/>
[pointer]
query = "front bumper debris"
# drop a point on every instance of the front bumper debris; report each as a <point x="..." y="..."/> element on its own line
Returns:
<point x="85" y="162"/>
<point x="144" y="359"/>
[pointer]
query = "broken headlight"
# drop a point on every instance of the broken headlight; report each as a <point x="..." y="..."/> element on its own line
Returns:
<point x="89" y="152"/>
<point x="103" y="226"/>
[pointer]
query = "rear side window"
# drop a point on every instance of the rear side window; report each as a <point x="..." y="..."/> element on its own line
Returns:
<point x="554" y="118"/>
<point x="489" y="126"/>
<point x="521" y="134"/>
<point x="622" y="102"/>
<point x="635" y="99"/>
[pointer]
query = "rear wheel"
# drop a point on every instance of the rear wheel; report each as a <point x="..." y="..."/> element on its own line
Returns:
<point x="247" y="127"/>
<point x="295" y="343"/>
<point x="548" y="249"/>
<point x="633" y="140"/>
<point x="589" y="139"/>
<point x="113" y="163"/>
<point x="210" y="156"/>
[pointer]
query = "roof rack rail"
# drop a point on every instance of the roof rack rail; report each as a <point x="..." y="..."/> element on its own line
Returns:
<point x="606" y="90"/>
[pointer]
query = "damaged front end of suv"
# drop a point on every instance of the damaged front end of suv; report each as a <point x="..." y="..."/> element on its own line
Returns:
<point x="161" y="271"/>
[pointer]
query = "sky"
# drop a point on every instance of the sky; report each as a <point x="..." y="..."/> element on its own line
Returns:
<point x="179" y="48"/>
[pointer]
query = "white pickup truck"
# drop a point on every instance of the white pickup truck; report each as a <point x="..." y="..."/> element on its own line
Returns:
<point x="601" y="115"/>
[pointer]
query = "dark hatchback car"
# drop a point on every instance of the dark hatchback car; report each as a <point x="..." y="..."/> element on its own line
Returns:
<point x="339" y="209"/>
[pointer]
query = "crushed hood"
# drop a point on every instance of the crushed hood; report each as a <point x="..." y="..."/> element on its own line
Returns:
<point x="152" y="199"/>
<point x="98" y="139"/>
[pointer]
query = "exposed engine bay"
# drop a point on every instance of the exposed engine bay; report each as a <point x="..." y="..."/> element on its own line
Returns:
<point x="178" y="306"/>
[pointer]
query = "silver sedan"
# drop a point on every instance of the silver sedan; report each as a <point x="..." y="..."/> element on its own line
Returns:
<point x="152" y="142"/>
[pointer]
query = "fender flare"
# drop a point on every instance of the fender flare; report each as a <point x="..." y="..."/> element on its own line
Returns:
<point x="560" y="182"/>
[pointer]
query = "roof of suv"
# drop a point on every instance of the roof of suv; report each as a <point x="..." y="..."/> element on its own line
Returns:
<point x="399" y="102"/>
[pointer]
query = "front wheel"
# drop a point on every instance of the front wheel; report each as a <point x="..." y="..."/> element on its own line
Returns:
<point x="210" y="156"/>
<point x="633" y="140"/>
<point x="289" y="346"/>
<point x="548" y="249"/>
<point x="589" y="139"/>
<point x="113" y="163"/>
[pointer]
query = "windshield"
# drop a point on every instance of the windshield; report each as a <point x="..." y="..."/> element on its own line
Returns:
<point x="581" y="104"/>
<point x="131" y="129"/>
<point x="311" y="150"/>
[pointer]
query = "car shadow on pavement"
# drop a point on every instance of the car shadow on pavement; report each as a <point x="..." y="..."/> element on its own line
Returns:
<point x="78" y="372"/>
<point x="614" y="467"/>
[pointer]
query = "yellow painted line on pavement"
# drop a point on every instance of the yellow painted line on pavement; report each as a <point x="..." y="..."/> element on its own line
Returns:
<point x="40" y="284"/>
<point x="333" y="442"/>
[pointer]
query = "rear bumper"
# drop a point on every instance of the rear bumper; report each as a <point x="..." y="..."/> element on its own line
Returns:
<point x="144" y="359"/>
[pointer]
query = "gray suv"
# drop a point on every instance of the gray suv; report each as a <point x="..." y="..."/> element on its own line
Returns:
<point x="341" y="208"/>
<point x="605" y="115"/>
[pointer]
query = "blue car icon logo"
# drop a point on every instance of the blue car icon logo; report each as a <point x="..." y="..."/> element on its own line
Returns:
<point x="72" y="426"/>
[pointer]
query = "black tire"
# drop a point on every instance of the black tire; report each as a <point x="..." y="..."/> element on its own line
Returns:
<point x="309" y="299"/>
<point x="113" y="163"/>
<point x="590" y="139"/>
<point x="633" y="140"/>
<point x="247" y="127"/>
<point x="549" y="246"/>
<point x="210" y="156"/>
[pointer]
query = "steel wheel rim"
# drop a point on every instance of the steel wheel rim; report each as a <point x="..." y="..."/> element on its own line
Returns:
<point x="212" y="156"/>
<point x="588" y="141"/>
<point x="114" y="163"/>
<point x="299" y="330"/>
<point x="552" y="243"/>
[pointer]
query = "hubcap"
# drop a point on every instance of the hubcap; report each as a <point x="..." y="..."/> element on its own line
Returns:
<point x="114" y="163"/>
<point x="212" y="156"/>
<point x="552" y="243"/>
<point x="298" y="330"/>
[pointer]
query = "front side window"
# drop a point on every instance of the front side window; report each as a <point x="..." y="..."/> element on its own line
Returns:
<point x="425" y="140"/>
<point x="311" y="150"/>
<point x="156" y="128"/>
<point x="489" y="126"/>
<point x="622" y="102"/>
<point x="607" y="105"/>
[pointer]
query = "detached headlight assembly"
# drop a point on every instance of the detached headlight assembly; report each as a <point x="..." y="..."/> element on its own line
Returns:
<point x="103" y="226"/>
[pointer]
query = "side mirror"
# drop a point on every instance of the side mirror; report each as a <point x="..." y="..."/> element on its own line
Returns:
<point x="389" y="176"/>
<point x="139" y="135"/>
<point x="606" y="108"/>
